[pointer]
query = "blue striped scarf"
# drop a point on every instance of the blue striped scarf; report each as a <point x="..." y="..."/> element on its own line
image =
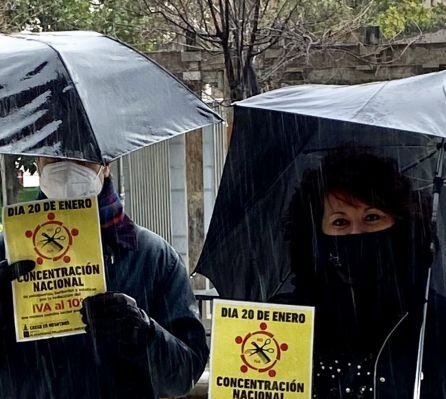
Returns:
<point x="117" y="228"/>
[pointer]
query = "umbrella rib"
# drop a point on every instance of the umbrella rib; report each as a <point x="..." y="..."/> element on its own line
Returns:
<point x="98" y="149"/>
<point x="370" y="99"/>
<point x="300" y="150"/>
<point x="279" y="287"/>
<point x="418" y="161"/>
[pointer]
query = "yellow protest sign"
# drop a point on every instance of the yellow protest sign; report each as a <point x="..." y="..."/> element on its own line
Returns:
<point x="261" y="351"/>
<point x="63" y="238"/>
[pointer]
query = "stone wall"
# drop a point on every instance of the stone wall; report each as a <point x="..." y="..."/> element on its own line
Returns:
<point x="337" y="64"/>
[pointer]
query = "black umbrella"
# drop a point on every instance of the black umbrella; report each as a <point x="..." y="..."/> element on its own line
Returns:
<point x="82" y="95"/>
<point x="280" y="134"/>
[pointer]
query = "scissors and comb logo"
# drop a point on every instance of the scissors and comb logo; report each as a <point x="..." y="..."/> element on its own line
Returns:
<point x="52" y="239"/>
<point x="260" y="351"/>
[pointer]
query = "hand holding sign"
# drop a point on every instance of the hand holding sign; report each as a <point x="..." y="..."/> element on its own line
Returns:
<point x="114" y="319"/>
<point x="9" y="272"/>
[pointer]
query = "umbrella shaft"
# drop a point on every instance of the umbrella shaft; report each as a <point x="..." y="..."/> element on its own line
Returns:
<point x="419" y="369"/>
<point x="438" y="184"/>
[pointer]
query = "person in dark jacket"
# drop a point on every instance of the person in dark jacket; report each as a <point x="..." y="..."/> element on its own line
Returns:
<point x="144" y="338"/>
<point x="360" y="244"/>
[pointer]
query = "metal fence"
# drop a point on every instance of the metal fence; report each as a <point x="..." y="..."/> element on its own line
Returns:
<point x="145" y="178"/>
<point x="147" y="188"/>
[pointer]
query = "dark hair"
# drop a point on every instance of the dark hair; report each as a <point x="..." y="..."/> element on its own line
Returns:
<point x="356" y="175"/>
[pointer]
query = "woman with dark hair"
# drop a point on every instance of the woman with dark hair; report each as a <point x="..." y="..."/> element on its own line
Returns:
<point x="360" y="250"/>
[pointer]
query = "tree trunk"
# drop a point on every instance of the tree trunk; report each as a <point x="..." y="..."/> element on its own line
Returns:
<point x="250" y="83"/>
<point x="242" y="84"/>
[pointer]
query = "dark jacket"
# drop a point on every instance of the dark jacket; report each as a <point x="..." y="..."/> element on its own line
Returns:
<point x="396" y="365"/>
<point x="69" y="367"/>
<point x="396" y="361"/>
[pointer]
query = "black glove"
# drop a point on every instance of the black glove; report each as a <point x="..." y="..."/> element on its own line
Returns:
<point x="9" y="272"/>
<point x="120" y="333"/>
<point x="115" y="319"/>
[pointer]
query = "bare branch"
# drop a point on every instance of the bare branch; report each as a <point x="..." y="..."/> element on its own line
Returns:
<point x="244" y="29"/>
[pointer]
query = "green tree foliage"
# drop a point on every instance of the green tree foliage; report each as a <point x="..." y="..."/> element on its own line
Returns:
<point x="402" y="17"/>
<point x="117" y="18"/>
<point x="129" y="21"/>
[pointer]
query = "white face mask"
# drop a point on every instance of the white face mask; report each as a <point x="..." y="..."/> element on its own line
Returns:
<point x="65" y="180"/>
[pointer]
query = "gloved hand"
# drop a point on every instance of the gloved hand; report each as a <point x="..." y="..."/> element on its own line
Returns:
<point x="9" y="272"/>
<point x="114" y="318"/>
<point x="120" y="333"/>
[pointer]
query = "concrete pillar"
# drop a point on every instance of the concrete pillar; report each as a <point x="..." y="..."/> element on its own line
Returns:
<point x="195" y="199"/>
<point x="178" y="196"/>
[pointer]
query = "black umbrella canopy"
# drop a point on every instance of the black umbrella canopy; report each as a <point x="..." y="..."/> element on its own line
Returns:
<point x="280" y="134"/>
<point x="82" y="95"/>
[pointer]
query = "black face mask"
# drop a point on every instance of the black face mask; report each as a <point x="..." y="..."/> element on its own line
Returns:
<point x="364" y="260"/>
<point x="365" y="283"/>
